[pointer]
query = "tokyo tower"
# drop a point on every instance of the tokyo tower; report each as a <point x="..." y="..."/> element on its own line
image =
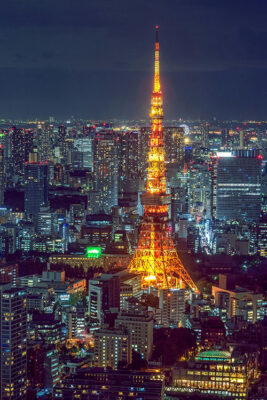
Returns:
<point x="155" y="257"/>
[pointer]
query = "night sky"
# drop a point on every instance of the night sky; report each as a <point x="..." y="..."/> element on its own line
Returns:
<point x="94" y="58"/>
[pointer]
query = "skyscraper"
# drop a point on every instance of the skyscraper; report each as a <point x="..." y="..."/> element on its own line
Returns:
<point x="262" y="236"/>
<point x="13" y="356"/>
<point x="155" y="257"/>
<point x="18" y="150"/>
<point x="22" y="146"/>
<point x="84" y="146"/>
<point x="174" y="144"/>
<point x="106" y="150"/>
<point x="44" y="140"/>
<point x="62" y="133"/>
<point x="238" y="189"/>
<point x="128" y="167"/>
<point x="205" y="134"/>
<point x="36" y="187"/>
<point x="2" y="175"/>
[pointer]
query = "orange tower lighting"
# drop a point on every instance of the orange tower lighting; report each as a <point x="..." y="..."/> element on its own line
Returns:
<point x="155" y="257"/>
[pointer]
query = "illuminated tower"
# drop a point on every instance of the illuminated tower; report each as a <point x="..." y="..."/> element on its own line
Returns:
<point x="155" y="257"/>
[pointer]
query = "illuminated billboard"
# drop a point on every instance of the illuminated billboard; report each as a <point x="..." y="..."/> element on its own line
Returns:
<point x="93" y="252"/>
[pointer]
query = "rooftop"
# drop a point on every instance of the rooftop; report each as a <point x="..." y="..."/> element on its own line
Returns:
<point x="212" y="354"/>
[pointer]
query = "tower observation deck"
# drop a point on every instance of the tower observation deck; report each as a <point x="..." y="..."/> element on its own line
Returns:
<point x="156" y="258"/>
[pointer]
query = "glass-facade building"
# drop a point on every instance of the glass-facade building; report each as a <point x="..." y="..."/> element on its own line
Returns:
<point x="238" y="194"/>
<point x="13" y="343"/>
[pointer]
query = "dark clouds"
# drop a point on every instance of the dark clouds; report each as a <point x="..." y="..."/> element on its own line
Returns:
<point x="94" y="58"/>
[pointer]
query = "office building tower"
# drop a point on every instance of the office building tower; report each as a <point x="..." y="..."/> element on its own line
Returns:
<point x="104" y="294"/>
<point x="52" y="368"/>
<point x="106" y="150"/>
<point x="6" y="137"/>
<point x="262" y="236"/>
<point x="112" y="346"/>
<point x="205" y="134"/>
<point x="45" y="142"/>
<point x="22" y="146"/>
<point x="128" y="166"/>
<point x="2" y="175"/>
<point x="241" y="139"/>
<point x="45" y="221"/>
<point x="172" y="305"/>
<point x="174" y="144"/>
<point x="240" y="301"/>
<point x="36" y="187"/>
<point x="143" y="146"/>
<point x="225" y="138"/>
<point x="18" y="150"/>
<point x="140" y="326"/>
<point x="62" y="136"/>
<point x="188" y="154"/>
<point x="200" y="189"/>
<point x="13" y="345"/>
<point x="83" y="147"/>
<point x="238" y="188"/>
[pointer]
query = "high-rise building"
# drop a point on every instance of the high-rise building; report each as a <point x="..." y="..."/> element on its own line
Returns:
<point x="262" y="236"/>
<point x="156" y="258"/>
<point x="18" y="150"/>
<point x="36" y="187"/>
<point x="128" y="166"/>
<point x="174" y="144"/>
<point x="225" y="137"/>
<point x="13" y="345"/>
<point x="106" y="151"/>
<point x="65" y="144"/>
<point x="200" y="189"/>
<point x="140" y="326"/>
<point x="143" y="146"/>
<point x="104" y="293"/>
<point x="238" y="188"/>
<point x="112" y="346"/>
<point x="205" y="134"/>
<point x="2" y="175"/>
<point x="172" y="305"/>
<point x="84" y="146"/>
<point x="44" y="140"/>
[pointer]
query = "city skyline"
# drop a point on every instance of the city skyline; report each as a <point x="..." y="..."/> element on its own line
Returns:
<point x="133" y="255"/>
<point x="63" y="60"/>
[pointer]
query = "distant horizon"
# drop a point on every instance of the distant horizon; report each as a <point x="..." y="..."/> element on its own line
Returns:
<point x="69" y="120"/>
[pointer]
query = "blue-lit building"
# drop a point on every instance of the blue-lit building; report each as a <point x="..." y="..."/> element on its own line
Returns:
<point x="238" y="188"/>
<point x="36" y="187"/>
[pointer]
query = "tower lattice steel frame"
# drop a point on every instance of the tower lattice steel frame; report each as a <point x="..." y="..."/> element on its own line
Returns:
<point x="156" y="257"/>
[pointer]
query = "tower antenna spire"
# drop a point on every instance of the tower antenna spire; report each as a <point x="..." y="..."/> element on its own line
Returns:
<point x="156" y="72"/>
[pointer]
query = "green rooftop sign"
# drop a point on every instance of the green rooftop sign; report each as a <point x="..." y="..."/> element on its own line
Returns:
<point x="93" y="252"/>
